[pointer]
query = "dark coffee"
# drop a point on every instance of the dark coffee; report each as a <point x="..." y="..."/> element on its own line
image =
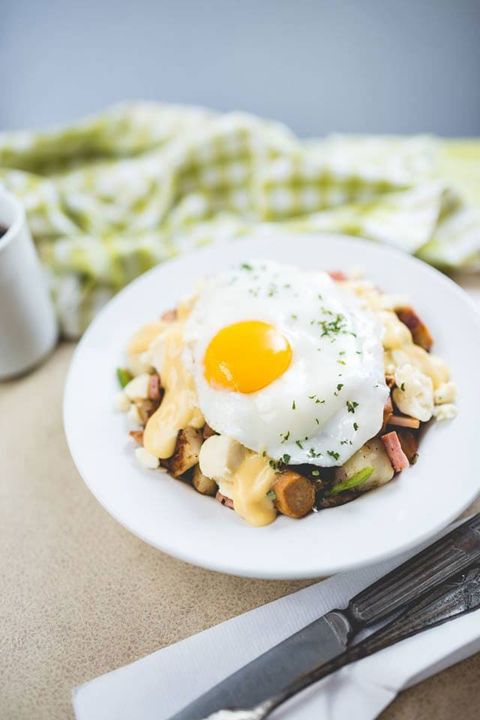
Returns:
<point x="3" y="230"/>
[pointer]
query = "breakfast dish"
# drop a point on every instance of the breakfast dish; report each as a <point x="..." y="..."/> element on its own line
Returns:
<point x="281" y="391"/>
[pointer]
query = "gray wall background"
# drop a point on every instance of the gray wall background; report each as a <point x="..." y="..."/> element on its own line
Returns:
<point x="394" y="66"/>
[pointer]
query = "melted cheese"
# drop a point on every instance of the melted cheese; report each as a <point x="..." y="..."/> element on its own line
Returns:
<point x="178" y="409"/>
<point x="140" y="342"/>
<point x="250" y="484"/>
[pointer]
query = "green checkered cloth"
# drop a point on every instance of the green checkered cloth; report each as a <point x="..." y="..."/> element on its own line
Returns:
<point x="114" y="195"/>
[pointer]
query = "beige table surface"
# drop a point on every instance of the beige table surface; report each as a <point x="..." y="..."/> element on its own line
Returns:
<point x="81" y="596"/>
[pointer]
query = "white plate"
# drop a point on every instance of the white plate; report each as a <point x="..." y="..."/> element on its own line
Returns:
<point x="174" y="518"/>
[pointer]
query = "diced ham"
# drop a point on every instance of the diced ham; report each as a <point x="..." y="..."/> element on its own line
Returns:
<point x="404" y="421"/>
<point x="337" y="275"/>
<point x="420" y="332"/>
<point x="137" y="435"/>
<point x="228" y="502"/>
<point x="169" y="315"/>
<point x="394" y="451"/>
<point x="154" y="387"/>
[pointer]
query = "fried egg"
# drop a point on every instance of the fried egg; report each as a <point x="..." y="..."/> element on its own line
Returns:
<point x="287" y="362"/>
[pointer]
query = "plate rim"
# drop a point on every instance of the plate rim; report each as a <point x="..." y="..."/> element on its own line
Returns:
<point x="209" y="563"/>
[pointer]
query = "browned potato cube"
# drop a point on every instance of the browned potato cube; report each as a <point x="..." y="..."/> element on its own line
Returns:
<point x="420" y="332"/>
<point x="294" y="494"/>
<point x="208" y="431"/>
<point x="189" y="442"/>
<point x="409" y="444"/>
<point x="202" y="483"/>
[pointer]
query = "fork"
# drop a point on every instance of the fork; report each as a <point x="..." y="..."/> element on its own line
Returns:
<point x="455" y="597"/>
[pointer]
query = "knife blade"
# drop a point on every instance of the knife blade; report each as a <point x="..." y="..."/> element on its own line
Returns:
<point x="327" y="637"/>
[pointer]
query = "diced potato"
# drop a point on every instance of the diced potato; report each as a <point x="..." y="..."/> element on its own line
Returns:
<point x="387" y="411"/>
<point x="187" y="450"/>
<point x="220" y="456"/>
<point x="294" y="494"/>
<point x="146" y="408"/>
<point x="420" y="332"/>
<point x="137" y="389"/>
<point x="208" y="431"/>
<point x="202" y="483"/>
<point x="409" y="444"/>
<point x="372" y="454"/>
<point x="395" y="333"/>
<point x="414" y="392"/>
<point x="445" y="393"/>
<point x="146" y="459"/>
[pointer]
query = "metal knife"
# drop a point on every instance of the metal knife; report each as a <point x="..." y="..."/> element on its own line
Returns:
<point x="328" y="636"/>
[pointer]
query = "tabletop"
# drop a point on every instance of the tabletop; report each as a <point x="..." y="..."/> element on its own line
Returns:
<point x="82" y="596"/>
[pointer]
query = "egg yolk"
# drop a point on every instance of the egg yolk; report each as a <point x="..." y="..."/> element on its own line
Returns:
<point x="246" y="356"/>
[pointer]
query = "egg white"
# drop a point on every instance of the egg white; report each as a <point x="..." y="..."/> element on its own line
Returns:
<point x="330" y="400"/>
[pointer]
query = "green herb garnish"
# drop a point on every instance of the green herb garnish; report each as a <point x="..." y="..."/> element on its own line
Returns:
<point x="333" y="454"/>
<point x="351" y="406"/>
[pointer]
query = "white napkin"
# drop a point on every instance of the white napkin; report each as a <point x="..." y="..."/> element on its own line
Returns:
<point x="161" y="684"/>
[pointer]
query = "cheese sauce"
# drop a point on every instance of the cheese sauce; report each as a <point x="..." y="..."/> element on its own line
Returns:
<point x="250" y="485"/>
<point x="178" y="409"/>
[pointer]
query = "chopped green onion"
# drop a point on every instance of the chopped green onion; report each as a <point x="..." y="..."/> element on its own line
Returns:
<point x="353" y="481"/>
<point x="124" y="376"/>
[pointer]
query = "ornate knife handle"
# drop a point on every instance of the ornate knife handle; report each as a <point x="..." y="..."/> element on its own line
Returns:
<point x="454" y="597"/>
<point x="438" y="562"/>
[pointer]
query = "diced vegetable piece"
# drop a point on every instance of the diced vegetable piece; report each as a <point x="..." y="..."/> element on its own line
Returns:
<point x="137" y="435"/>
<point x="420" y="332"/>
<point x="186" y="453"/>
<point x="394" y="450"/>
<point x="146" y="408"/>
<point x="124" y="376"/>
<point x="228" y="502"/>
<point x="409" y="444"/>
<point x="146" y="459"/>
<point x="169" y="315"/>
<point x="372" y="454"/>
<point x="387" y="411"/>
<point x="154" y="387"/>
<point x="137" y="388"/>
<point x="202" y="483"/>
<point x="220" y="456"/>
<point x="354" y="480"/>
<point x="337" y="275"/>
<point x="404" y="421"/>
<point x="294" y="493"/>
<point x="208" y="431"/>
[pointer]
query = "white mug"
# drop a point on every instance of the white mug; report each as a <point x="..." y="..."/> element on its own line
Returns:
<point x="28" y="327"/>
